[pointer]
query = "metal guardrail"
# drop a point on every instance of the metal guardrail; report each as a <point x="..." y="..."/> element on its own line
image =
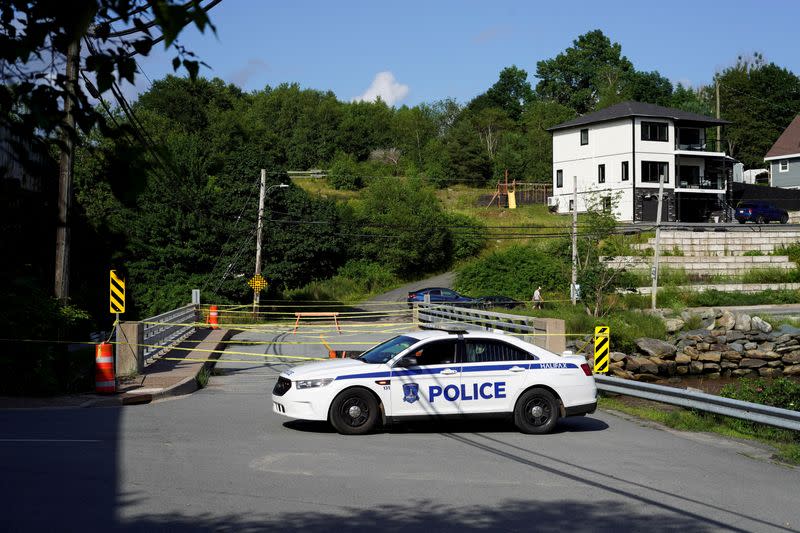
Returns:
<point x="545" y="332"/>
<point x="753" y="412"/>
<point x="164" y="330"/>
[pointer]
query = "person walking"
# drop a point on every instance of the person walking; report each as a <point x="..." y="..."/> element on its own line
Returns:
<point x="537" y="298"/>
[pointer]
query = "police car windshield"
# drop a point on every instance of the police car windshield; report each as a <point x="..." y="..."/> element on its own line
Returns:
<point x="385" y="351"/>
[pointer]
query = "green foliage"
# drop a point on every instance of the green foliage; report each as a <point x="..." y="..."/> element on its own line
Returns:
<point x="38" y="363"/>
<point x="514" y="272"/>
<point x="356" y="280"/>
<point x="753" y="253"/>
<point x="510" y="94"/>
<point x="344" y="172"/>
<point x="756" y="96"/>
<point x="466" y="235"/>
<point x="714" y="298"/>
<point x="401" y="221"/>
<point x="779" y="392"/>
<point x="790" y="250"/>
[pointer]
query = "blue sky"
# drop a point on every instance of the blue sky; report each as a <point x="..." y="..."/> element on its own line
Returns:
<point x="438" y="49"/>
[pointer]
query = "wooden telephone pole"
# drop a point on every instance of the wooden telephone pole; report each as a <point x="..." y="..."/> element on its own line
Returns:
<point x="65" y="175"/>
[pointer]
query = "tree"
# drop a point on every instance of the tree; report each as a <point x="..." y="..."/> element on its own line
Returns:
<point x="760" y="99"/>
<point x="511" y="93"/>
<point x="576" y="77"/>
<point x="35" y="40"/>
<point x="536" y="119"/>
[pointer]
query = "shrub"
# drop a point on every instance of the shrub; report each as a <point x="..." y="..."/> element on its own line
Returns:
<point x="780" y="392"/>
<point x="514" y="272"/>
<point x="753" y="253"/>
<point x="354" y="281"/>
<point x="344" y="172"/>
<point x="466" y="235"/>
<point x="790" y="250"/>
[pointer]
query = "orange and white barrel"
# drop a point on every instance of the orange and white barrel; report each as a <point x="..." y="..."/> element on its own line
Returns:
<point x="104" y="379"/>
<point x="213" y="317"/>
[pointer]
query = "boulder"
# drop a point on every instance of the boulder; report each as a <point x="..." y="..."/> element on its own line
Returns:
<point x="742" y="322"/>
<point x="682" y="359"/>
<point x="731" y="355"/>
<point x="727" y="321"/>
<point x="766" y="346"/>
<point x="684" y="369"/>
<point x="734" y="336"/>
<point x="710" y="357"/>
<point x="741" y="372"/>
<point x="770" y="372"/>
<point x="618" y="364"/>
<point x="703" y="346"/>
<point x="713" y="375"/>
<point x="708" y="313"/>
<point x="641" y="365"/>
<point x="728" y="365"/>
<point x="622" y="373"/>
<point x="793" y="370"/>
<point x="708" y="324"/>
<point x="711" y="367"/>
<point x="751" y="363"/>
<point x="673" y="324"/>
<point x="736" y="347"/>
<point x="761" y="354"/>
<point x="617" y="356"/>
<point x="792" y="358"/>
<point x="761" y="325"/>
<point x="655" y="347"/>
<point x="774" y="364"/>
<point x="695" y="367"/>
<point x="750" y="346"/>
<point x="692" y="352"/>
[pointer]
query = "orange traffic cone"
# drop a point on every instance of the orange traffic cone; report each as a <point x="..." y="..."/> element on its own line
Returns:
<point x="213" y="321"/>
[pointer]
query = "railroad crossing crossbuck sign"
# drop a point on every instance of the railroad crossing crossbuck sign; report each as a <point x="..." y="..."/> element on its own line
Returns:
<point x="601" y="344"/>
<point x="257" y="283"/>
<point x="116" y="292"/>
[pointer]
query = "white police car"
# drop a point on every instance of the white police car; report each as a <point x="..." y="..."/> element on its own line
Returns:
<point x="439" y="373"/>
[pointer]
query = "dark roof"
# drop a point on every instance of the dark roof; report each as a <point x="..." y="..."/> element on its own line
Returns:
<point x="638" y="109"/>
<point x="789" y="141"/>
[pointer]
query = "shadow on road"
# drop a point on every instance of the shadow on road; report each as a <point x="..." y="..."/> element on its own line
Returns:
<point x="566" y="425"/>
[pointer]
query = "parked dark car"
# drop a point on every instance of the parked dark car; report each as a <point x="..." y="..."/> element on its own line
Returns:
<point x="439" y="295"/>
<point x="760" y="213"/>
<point x="488" y="302"/>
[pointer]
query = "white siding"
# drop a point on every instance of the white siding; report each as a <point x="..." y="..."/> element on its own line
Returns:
<point x="609" y="144"/>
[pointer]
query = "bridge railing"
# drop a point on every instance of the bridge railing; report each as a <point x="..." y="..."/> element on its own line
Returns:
<point x="545" y="332"/>
<point x="167" y="329"/>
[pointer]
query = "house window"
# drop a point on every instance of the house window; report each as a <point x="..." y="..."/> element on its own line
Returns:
<point x="655" y="131"/>
<point x="606" y="204"/>
<point x="559" y="178"/>
<point x="624" y="171"/>
<point x="601" y="173"/>
<point x="652" y="171"/>
<point x="784" y="165"/>
<point x="571" y="206"/>
<point x="584" y="136"/>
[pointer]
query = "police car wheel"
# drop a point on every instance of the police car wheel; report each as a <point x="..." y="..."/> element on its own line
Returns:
<point x="536" y="412"/>
<point x="354" y="412"/>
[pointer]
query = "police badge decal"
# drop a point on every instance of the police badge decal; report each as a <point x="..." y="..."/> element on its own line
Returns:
<point x="410" y="392"/>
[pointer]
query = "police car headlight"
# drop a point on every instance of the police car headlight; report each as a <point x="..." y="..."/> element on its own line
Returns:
<point x="312" y="383"/>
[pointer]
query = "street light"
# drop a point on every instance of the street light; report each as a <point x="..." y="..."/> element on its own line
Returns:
<point x="263" y="193"/>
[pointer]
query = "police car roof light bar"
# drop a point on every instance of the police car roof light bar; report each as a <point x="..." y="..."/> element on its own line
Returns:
<point x="449" y="328"/>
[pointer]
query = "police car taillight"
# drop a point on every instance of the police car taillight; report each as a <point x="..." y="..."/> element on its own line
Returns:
<point x="586" y="370"/>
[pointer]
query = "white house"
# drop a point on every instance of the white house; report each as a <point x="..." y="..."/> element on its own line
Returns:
<point x="623" y="150"/>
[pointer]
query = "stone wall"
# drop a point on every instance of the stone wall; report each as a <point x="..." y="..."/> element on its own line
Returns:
<point x="728" y="344"/>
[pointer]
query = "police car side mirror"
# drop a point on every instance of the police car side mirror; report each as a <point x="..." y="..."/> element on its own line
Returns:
<point x="406" y="362"/>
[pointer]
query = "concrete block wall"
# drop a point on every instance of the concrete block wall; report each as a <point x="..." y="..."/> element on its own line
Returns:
<point x="721" y="265"/>
<point x="732" y="243"/>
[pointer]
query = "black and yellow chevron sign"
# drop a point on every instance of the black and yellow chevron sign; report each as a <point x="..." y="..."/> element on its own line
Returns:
<point x="601" y="345"/>
<point x="116" y="292"/>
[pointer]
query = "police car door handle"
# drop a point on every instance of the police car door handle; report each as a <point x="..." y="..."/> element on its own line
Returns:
<point x="448" y="372"/>
<point x="517" y="368"/>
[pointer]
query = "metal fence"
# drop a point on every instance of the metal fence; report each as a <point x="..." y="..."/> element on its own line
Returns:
<point x="545" y="332"/>
<point x="753" y="412"/>
<point x="165" y="330"/>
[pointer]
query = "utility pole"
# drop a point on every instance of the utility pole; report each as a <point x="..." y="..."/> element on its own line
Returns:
<point x="261" y="194"/>
<point x="65" y="175"/>
<point x="574" y="291"/>
<point x="719" y="128"/>
<point x="654" y="273"/>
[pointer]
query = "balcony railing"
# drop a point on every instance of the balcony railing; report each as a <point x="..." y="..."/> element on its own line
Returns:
<point x="702" y="182"/>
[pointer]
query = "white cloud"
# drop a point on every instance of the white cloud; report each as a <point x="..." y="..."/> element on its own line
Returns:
<point x="386" y="87"/>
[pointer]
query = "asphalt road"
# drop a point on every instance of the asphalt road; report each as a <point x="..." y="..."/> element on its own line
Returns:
<point x="221" y="460"/>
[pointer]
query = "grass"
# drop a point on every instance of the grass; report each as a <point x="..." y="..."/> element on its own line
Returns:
<point x="785" y="442"/>
<point x="202" y="377"/>
<point x="321" y="187"/>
